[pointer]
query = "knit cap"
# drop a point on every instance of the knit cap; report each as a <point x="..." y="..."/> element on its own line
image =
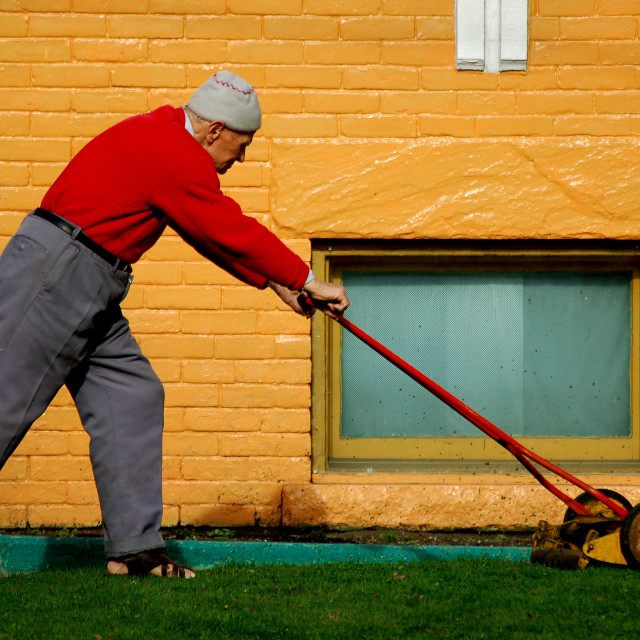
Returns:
<point x="227" y="98"/>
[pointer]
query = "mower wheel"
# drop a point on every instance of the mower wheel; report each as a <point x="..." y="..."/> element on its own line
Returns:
<point x="630" y="538"/>
<point x="596" y="507"/>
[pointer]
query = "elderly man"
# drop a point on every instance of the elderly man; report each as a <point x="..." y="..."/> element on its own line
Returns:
<point x="67" y="268"/>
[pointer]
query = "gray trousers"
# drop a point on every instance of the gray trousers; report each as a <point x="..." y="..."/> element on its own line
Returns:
<point x="61" y="324"/>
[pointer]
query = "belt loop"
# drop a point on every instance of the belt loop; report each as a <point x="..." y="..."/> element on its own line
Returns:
<point x="76" y="232"/>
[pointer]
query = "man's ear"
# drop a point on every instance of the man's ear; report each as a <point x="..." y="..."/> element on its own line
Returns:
<point x="213" y="131"/>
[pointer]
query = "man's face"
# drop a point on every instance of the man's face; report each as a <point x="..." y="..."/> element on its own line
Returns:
<point x="227" y="147"/>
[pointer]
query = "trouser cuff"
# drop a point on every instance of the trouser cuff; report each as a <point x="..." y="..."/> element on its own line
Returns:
<point x="133" y="545"/>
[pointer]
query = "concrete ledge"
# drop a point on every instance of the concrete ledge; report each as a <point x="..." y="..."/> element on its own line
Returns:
<point x="26" y="554"/>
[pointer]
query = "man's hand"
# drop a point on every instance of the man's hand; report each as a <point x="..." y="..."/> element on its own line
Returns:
<point x="294" y="299"/>
<point x="330" y="298"/>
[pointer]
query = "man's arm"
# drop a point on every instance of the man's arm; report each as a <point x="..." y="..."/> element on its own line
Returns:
<point x="330" y="298"/>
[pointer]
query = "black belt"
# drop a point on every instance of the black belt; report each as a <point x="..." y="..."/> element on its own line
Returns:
<point x="82" y="237"/>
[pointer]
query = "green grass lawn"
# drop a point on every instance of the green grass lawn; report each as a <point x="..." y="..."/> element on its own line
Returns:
<point x="466" y="599"/>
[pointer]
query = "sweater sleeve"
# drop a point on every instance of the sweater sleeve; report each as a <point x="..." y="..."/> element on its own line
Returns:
<point x="216" y="227"/>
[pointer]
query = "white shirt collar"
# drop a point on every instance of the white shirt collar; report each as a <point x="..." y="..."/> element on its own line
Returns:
<point x="187" y="124"/>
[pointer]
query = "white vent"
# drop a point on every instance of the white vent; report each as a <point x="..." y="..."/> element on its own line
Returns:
<point x="492" y="35"/>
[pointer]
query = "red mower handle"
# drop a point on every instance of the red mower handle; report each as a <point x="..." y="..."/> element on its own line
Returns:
<point x="525" y="456"/>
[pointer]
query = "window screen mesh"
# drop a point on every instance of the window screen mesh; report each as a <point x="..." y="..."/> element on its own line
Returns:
<point x="537" y="354"/>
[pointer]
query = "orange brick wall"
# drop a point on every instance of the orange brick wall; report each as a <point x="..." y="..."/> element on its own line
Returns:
<point x="235" y="362"/>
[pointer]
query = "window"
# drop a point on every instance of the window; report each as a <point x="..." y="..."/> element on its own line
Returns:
<point x="539" y="339"/>
<point x="491" y="35"/>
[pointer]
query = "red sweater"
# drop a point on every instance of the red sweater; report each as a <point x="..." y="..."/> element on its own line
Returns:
<point x="125" y="186"/>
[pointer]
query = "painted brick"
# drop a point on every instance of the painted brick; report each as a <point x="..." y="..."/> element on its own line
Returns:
<point x="192" y="395"/>
<point x="436" y="79"/>
<point x="544" y="28"/>
<point x="44" y="443"/>
<point x="419" y="53"/>
<point x="15" y="75"/>
<point x="618" y="102"/>
<point x="13" y="174"/>
<point x="76" y="75"/>
<point x="224" y="27"/>
<point x="35" y="6"/>
<point x="287" y="421"/>
<point x="343" y="102"/>
<point x="593" y="126"/>
<point x="67" y="125"/>
<point x="44" y="174"/>
<point x="35" y="50"/>
<point x="607" y="78"/>
<point x="14" y="124"/>
<point x="223" y="493"/>
<point x="206" y="273"/>
<point x="110" y="50"/>
<point x="514" y="126"/>
<point x="58" y="418"/>
<point x="377" y="28"/>
<point x="622" y="53"/>
<point x="278" y="445"/>
<point x="309" y="77"/>
<point x="382" y="78"/>
<point x="247" y="469"/>
<point x="378" y="126"/>
<point x="67" y="26"/>
<point x="16" y="468"/>
<point x="78" y="443"/>
<point x="33" y="492"/>
<point x="158" y="273"/>
<point x="146" y="26"/>
<point x="183" y="297"/>
<point x="533" y="80"/>
<point x="305" y="126"/>
<point x="64" y="515"/>
<point x="154" y="321"/>
<point x="218" y="322"/>
<point x="598" y="28"/>
<point x="574" y="53"/>
<point x="274" y="372"/>
<point x="619" y="8"/>
<point x="243" y="298"/>
<point x="124" y="101"/>
<point x="167" y="370"/>
<point x="300" y="28"/>
<point x="191" y="51"/>
<point x="281" y="101"/>
<point x="148" y="76"/>
<point x="13" y="517"/>
<point x="261" y="52"/>
<point x="293" y="347"/>
<point x="244" y="347"/>
<point x="14" y="26"/>
<point x="418" y="7"/>
<point x="435" y="28"/>
<point x="221" y="419"/>
<point x="341" y="8"/>
<point x="179" y="346"/>
<point x="264" y="396"/>
<point x="279" y="322"/>
<point x="486" y="103"/>
<point x="19" y="198"/>
<point x="341" y="53"/>
<point x="17" y="149"/>
<point x="537" y="102"/>
<point x="111" y="6"/>
<point x="566" y="7"/>
<point x="59" y="468"/>
<point x="253" y="74"/>
<point x="190" y="444"/>
<point x="265" y="7"/>
<point x="212" y="371"/>
<point x="218" y="516"/>
<point x="439" y="102"/>
<point x="182" y="7"/>
<point x="82" y="493"/>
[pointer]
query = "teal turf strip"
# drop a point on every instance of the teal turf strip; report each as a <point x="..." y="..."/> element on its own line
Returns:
<point x="27" y="554"/>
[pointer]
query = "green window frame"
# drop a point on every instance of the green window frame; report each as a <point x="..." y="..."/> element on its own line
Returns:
<point x="334" y="261"/>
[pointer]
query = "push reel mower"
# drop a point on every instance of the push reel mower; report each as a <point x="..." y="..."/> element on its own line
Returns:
<point x="600" y="526"/>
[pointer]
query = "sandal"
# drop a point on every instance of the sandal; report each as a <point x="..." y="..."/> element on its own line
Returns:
<point x="142" y="564"/>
